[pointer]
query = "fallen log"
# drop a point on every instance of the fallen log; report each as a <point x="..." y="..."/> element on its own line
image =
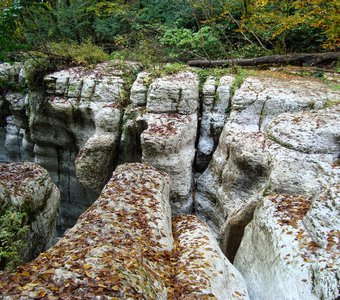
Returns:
<point x="298" y="59"/>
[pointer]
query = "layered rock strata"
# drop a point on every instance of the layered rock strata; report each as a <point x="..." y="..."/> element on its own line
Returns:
<point x="126" y="247"/>
<point x="71" y="126"/>
<point x="27" y="187"/>
<point x="88" y="103"/>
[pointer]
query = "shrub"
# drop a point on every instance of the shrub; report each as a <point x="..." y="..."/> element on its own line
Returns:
<point x="205" y="42"/>
<point x="12" y="233"/>
<point x="84" y="54"/>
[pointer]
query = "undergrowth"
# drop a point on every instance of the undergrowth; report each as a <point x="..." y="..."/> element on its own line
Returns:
<point x="12" y="233"/>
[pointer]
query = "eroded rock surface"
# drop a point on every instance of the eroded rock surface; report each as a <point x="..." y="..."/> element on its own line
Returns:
<point x="161" y="124"/>
<point x="168" y="143"/>
<point x="280" y="137"/>
<point x="10" y="72"/>
<point x="176" y="93"/>
<point x="123" y="247"/>
<point x="290" y="249"/>
<point x="28" y="188"/>
<point x="216" y="98"/>
<point x="88" y="102"/>
<point x="274" y="141"/>
<point x="71" y="126"/>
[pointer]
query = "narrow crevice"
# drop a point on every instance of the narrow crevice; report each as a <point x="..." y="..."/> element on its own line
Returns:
<point x="262" y="114"/>
<point x="234" y="233"/>
<point x="19" y="143"/>
<point x="69" y="178"/>
<point x="58" y="167"/>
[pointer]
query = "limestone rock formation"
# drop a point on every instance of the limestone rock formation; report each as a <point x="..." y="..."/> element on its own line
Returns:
<point x="10" y="72"/>
<point x="160" y="128"/>
<point x="176" y="93"/>
<point x="123" y="247"/>
<point x="263" y="148"/>
<point x="139" y="89"/>
<point x="28" y="187"/>
<point x="216" y="99"/>
<point x="96" y="158"/>
<point x="76" y="130"/>
<point x="290" y="249"/>
<point x="168" y="143"/>
<point x="280" y="140"/>
<point x="70" y="125"/>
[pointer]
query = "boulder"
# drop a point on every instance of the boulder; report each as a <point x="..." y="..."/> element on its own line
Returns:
<point x="123" y="247"/>
<point x="27" y="187"/>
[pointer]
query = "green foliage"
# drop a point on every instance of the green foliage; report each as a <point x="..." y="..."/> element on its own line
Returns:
<point x="166" y="30"/>
<point x="165" y="69"/>
<point x="12" y="233"/>
<point x="250" y="51"/>
<point x="10" y="41"/>
<point x="36" y="69"/>
<point x="84" y="54"/>
<point x="6" y="86"/>
<point x="298" y="24"/>
<point x="205" y="42"/>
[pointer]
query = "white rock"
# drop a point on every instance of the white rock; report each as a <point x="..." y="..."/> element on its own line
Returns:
<point x="108" y="90"/>
<point x="124" y="242"/>
<point x="169" y="145"/>
<point x="95" y="160"/>
<point x="88" y="87"/>
<point x="292" y="153"/>
<point x="259" y="100"/>
<point x="176" y="93"/>
<point x="214" y="112"/>
<point x="106" y="118"/>
<point x="279" y="257"/>
<point x="10" y="71"/>
<point x="75" y="86"/>
<point x="202" y="265"/>
<point x="30" y="189"/>
<point x="312" y="132"/>
<point x="62" y="82"/>
<point x="16" y="100"/>
<point x="139" y="89"/>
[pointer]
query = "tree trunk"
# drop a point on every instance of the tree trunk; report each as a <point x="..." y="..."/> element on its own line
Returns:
<point x="299" y="59"/>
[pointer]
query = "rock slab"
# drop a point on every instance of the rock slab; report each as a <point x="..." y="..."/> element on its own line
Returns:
<point x="125" y="246"/>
